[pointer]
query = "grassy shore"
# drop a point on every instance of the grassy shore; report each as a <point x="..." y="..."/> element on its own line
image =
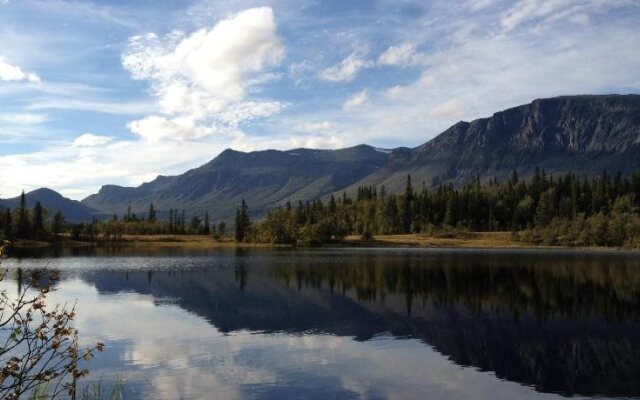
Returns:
<point x="497" y="240"/>
<point x="478" y="240"/>
<point x="481" y="240"/>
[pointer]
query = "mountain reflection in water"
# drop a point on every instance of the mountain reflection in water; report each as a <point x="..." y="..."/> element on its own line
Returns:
<point x="564" y="322"/>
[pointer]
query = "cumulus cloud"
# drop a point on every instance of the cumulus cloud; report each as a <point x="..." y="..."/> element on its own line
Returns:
<point x="13" y="73"/>
<point x="357" y="100"/>
<point x="346" y="70"/>
<point x="206" y="76"/>
<point x="90" y="140"/>
<point x="155" y="128"/>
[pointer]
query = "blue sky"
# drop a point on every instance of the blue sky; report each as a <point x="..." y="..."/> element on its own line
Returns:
<point x="93" y="93"/>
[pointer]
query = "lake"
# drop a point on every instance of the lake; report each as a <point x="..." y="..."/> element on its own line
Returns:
<point x="355" y="323"/>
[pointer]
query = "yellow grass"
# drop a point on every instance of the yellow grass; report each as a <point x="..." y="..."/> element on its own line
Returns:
<point x="473" y="240"/>
<point x="185" y="241"/>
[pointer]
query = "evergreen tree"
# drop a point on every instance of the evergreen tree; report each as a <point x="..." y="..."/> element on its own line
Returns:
<point x="206" y="230"/>
<point x="152" y="213"/>
<point x="406" y="207"/>
<point x="23" y="226"/>
<point x="242" y="222"/>
<point x="57" y="224"/>
<point x="38" y="220"/>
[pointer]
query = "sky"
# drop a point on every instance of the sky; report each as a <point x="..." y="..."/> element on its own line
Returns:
<point x="119" y="92"/>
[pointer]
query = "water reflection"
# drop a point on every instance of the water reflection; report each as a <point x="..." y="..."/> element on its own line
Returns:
<point x="562" y="323"/>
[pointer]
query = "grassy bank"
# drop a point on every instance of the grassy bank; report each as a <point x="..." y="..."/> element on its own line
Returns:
<point x="470" y="240"/>
<point x="481" y="240"/>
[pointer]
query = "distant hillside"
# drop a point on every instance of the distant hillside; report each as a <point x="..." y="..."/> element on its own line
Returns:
<point x="264" y="178"/>
<point x="53" y="201"/>
<point x="581" y="134"/>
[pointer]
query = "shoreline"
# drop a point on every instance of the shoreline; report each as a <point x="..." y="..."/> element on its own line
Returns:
<point x="475" y="240"/>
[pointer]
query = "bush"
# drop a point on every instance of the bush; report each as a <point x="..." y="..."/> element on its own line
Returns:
<point x="39" y="346"/>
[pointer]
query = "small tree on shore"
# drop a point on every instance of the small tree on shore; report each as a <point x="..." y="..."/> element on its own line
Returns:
<point x="39" y="345"/>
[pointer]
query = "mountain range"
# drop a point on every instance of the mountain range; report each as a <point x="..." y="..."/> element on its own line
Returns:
<point x="582" y="134"/>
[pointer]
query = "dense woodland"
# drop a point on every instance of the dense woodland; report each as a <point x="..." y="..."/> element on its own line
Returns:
<point x="569" y="210"/>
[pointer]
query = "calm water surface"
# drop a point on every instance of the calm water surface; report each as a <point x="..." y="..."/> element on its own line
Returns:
<point x="357" y="323"/>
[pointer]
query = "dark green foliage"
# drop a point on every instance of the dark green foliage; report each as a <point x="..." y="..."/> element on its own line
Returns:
<point x="152" y="213"/>
<point x="242" y="222"/>
<point x="565" y="211"/>
<point x="206" y="229"/>
<point x="23" y="228"/>
<point x="58" y="223"/>
<point x="38" y="221"/>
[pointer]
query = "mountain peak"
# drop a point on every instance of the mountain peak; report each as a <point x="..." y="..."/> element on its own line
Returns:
<point x="55" y="202"/>
<point x="583" y="134"/>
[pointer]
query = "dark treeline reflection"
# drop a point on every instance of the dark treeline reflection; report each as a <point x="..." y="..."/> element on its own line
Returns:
<point x="561" y="322"/>
<point x="568" y="287"/>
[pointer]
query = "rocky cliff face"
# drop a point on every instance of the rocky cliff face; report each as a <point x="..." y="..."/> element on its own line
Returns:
<point x="582" y="134"/>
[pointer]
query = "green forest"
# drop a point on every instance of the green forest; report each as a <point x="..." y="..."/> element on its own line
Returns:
<point x="568" y="210"/>
<point x="543" y="209"/>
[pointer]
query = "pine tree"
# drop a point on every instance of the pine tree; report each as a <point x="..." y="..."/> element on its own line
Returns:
<point x="23" y="228"/>
<point x="152" y="213"/>
<point x="242" y="221"/>
<point x="38" y="220"/>
<point x="407" y="216"/>
<point x="57" y="224"/>
<point x="206" y="230"/>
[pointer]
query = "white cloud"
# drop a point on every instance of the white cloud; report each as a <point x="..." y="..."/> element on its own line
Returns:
<point x="207" y="75"/>
<point x="249" y="110"/>
<point x="23" y="118"/>
<point x="155" y="128"/>
<point x="99" y="106"/>
<point x="346" y="70"/>
<point x="10" y="72"/>
<point x="357" y="100"/>
<point x="526" y="11"/>
<point x="477" y="5"/>
<point x="314" y="126"/>
<point x="451" y="109"/>
<point x="90" y="140"/>
<point x="401" y="55"/>
<point x="317" y="142"/>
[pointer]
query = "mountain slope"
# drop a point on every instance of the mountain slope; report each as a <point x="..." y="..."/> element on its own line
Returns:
<point x="53" y="201"/>
<point x="582" y="134"/>
<point x="264" y="178"/>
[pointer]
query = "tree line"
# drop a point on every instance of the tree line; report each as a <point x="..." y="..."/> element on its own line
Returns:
<point x="36" y="223"/>
<point x="566" y="210"/>
<point x="30" y="224"/>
